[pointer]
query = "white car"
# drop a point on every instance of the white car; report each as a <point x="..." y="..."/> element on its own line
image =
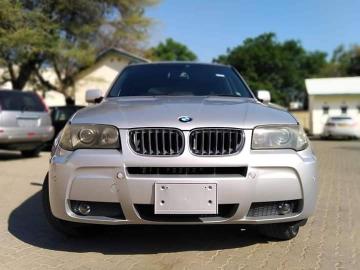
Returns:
<point x="341" y="126"/>
<point x="181" y="143"/>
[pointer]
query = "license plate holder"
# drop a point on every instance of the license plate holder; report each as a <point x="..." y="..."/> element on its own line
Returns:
<point x="186" y="198"/>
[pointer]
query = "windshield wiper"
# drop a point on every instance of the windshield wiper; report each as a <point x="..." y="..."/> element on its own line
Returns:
<point x="223" y="95"/>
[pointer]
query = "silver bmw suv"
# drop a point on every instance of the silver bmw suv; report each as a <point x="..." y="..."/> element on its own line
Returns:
<point x="181" y="143"/>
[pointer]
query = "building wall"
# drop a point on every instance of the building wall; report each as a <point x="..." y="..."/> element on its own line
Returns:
<point x="317" y="103"/>
<point x="303" y="117"/>
<point x="54" y="98"/>
<point x="100" y="77"/>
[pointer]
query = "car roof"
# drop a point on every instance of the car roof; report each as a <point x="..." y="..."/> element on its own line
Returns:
<point x="66" y="106"/>
<point x="15" y="91"/>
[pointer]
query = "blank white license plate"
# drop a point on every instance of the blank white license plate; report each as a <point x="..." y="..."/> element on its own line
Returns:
<point x="27" y="122"/>
<point x="185" y="198"/>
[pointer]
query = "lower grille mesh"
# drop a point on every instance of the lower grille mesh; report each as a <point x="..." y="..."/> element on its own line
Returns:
<point x="241" y="171"/>
<point x="146" y="211"/>
<point x="261" y="209"/>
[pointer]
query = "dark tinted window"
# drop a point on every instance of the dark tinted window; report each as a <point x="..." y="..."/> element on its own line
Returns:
<point x="178" y="80"/>
<point x="344" y="109"/>
<point x="326" y="109"/>
<point x="20" y="101"/>
<point x="337" y="118"/>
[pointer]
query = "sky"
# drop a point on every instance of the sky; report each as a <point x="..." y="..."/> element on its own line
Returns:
<point x="209" y="27"/>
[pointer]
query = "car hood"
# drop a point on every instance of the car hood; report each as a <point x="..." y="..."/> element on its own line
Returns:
<point x="132" y="112"/>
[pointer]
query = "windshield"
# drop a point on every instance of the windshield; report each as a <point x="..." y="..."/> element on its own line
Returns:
<point x="178" y="80"/>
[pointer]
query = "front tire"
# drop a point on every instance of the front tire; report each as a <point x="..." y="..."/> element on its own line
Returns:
<point x="71" y="229"/>
<point x="280" y="231"/>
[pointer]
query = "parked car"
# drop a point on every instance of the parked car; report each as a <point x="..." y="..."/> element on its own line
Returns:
<point x="342" y="127"/>
<point x="25" y="122"/>
<point x="181" y="143"/>
<point x="61" y="114"/>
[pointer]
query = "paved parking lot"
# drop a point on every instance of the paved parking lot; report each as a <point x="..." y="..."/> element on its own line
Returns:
<point x="330" y="240"/>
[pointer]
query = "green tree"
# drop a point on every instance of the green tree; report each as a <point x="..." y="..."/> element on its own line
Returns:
<point x="344" y="62"/>
<point x="86" y="28"/>
<point x="171" y="50"/>
<point x="67" y="35"/>
<point x="24" y="38"/>
<point x="126" y="25"/>
<point x="279" y="67"/>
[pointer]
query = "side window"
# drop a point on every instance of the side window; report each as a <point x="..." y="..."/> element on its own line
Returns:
<point x="358" y="107"/>
<point x="325" y="109"/>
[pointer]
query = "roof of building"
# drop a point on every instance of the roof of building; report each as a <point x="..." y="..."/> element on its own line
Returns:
<point x="121" y="52"/>
<point x="333" y="86"/>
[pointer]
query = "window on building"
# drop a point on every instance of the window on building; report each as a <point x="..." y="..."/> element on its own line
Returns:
<point x="344" y="109"/>
<point x="325" y="109"/>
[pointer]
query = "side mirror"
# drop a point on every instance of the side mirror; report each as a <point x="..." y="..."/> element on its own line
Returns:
<point x="93" y="96"/>
<point x="264" y="96"/>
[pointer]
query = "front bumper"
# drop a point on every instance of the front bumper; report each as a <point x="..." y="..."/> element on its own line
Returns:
<point x="101" y="176"/>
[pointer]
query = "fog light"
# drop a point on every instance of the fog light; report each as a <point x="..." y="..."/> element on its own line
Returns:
<point x="284" y="208"/>
<point x="84" y="209"/>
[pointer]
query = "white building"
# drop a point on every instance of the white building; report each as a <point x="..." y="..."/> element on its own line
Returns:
<point x="332" y="97"/>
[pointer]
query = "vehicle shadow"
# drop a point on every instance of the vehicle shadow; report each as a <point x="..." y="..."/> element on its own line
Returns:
<point x="13" y="155"/>
<point x="27" y="223"/>
<point x="7" y="155"/>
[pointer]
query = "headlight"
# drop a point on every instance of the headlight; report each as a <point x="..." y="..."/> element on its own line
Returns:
<point x="279" y="137"/>
<point x="78" y="136"/>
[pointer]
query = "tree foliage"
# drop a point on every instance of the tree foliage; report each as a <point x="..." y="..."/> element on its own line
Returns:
<point x="279" y="67"/>
<point x="24" y="38"/>
<point x="171" y="50"/>
<point x="344" y="62"/>
<point x="66" y="36"/>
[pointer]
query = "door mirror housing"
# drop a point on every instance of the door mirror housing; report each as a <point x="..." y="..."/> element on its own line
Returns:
<point x="264" y="96"/>
<point x="93" y="96"/>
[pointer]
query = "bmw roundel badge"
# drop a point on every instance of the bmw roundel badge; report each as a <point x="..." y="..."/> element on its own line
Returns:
<point x="185" y="119"/>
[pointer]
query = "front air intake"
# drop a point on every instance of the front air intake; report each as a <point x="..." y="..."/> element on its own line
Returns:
<point x="216" y="141"/>
<point x="157" y="141"/>
<point x="189" y="171"/>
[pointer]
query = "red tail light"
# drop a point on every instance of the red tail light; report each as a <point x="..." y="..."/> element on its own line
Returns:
<point x="43" y="102"/>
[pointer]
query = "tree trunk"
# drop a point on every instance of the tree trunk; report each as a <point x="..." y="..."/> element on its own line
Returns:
<point x="25" y="70"/>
